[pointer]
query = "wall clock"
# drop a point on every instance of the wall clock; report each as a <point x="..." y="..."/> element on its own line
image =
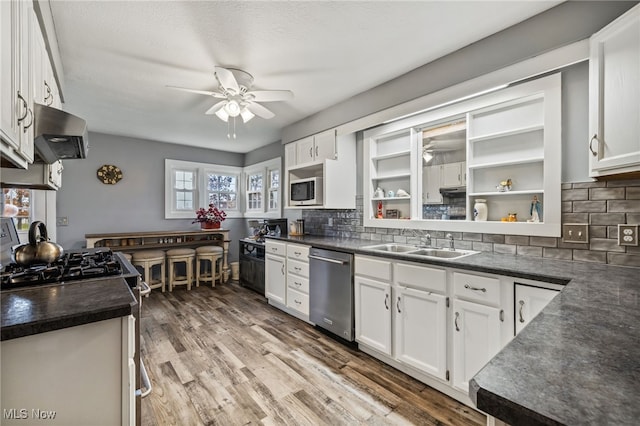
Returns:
<point x="109" y="174"/>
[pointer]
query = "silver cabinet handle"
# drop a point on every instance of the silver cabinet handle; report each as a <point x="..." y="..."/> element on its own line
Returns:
<point x="26" y="108"/>
<point x="316" y="151"/>
<point x="24" y="130"/>
<point x="297" y="301"/>
<point x="521" y="303"/>
<point x="311" y="152"/>
<point x="145" y="381"/>
<point x="398" y="306"/>
<point x="594" y="138"/>
<point x="456" y="321"/>
<point x="297" y="283"/>
<point x="282" y="269"/>
<point x="274" y="249"/>
<point x="48" y="100"/>
<point x="386" y="301"/>
<point x="484" y="290"/>
<point x="297" y="268"/>
<point x="297" y="253"/>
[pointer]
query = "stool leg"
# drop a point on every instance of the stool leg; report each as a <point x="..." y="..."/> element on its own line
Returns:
<point x="189" y="271"/>
<point x="198" y="265"/>
<point x="162" y="275"/>
<point x="171" y="275"/>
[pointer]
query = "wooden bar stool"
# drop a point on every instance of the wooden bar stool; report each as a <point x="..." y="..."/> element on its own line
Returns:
<point x="208" y="272"/>
<point x="146" y="260"/>
<point x="175" y="257"/>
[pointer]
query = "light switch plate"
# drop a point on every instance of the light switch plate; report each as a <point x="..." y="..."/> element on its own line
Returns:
<point x="575" y="233"/>
<point x="627" y="235"/>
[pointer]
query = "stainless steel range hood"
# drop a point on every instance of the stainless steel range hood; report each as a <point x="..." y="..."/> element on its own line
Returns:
<point x="454" y="192"/>
<point x="59" y="135"/>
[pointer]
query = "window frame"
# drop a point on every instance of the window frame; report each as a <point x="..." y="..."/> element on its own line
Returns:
<point x="201" y="193"/>
<point x="265" y="169"/>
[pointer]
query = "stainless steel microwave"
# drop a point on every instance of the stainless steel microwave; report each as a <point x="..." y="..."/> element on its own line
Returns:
<point x="305" y="192"/>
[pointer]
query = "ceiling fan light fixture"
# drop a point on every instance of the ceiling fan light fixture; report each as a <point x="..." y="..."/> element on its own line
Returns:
<point x="232" y="108"/>
<point x="222" y="114"/>
<point x="246" y="115"/>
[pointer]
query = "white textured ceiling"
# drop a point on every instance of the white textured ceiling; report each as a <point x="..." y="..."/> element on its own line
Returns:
<point x="118" y="56"/>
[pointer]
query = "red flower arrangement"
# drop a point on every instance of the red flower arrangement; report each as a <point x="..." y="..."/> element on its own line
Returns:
<point x="212" y="215"/>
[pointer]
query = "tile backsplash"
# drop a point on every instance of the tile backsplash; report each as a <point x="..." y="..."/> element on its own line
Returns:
<point x="602" y="204"/>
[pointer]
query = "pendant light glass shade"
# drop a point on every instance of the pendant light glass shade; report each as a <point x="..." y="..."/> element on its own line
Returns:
<point x="246" y="115"/>
<point x="222" y="115"/>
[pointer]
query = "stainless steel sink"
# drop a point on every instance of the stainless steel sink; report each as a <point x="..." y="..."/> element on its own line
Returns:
<point x="408" y="249"/>
<point x="392" y="247"/>
<point x="443" y="253"/>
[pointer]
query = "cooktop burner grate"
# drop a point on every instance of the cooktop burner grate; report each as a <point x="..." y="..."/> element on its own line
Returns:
<point x="71" y="266"/>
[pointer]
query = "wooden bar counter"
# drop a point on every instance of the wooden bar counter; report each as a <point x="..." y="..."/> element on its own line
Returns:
<point x="129" y="242"/>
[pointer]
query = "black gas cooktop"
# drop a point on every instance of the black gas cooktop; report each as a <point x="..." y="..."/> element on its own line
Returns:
<point x="70" y="267"/>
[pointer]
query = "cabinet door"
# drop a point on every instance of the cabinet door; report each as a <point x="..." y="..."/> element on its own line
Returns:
<point x="290" y="155"/>
<point x="614" y="96"/>
<point x="476" y="339"/>
<point x="451" y="175"/>
<point x="55" y="174"/>
<point x="26" y="79"/>
<point x="431" y="185"/>
<point x="275" y="279"/>
<point x="420" y="330"/>
<point x="325" y="145"/>
<point x="9" y="59"/>
<point x="305" y="151"/>
<point x="529" y="302"/>
<point x="373" y="314"/>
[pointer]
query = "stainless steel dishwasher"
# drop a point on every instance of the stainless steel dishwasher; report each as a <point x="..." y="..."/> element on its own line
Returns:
<point x="331" y="291"/>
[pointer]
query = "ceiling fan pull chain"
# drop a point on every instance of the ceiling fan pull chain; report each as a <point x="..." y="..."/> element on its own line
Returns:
<point x="228" y="131"/>
<point x="234" y="127"/>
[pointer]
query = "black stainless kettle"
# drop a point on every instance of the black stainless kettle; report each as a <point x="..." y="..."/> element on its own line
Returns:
<point x="39" y="250"/>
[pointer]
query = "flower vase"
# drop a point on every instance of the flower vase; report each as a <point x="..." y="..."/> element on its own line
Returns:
<point x="209" y="225"/>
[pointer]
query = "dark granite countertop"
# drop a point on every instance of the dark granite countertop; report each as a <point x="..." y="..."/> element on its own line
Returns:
<point x="33" y="310"/>
<point x="577" y="362"/>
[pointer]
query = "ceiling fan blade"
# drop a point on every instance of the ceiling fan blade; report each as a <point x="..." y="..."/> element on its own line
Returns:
<point x="218" y="106"/>
<point x="260" y="111"/>
<point x="201" y="92"/>
<point x="270" y="95"/>
<point x="227" y="80"/>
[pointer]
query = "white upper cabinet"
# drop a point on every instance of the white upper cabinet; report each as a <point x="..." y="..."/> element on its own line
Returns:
<point x="316" y="148"/>
<point x="16" y="88"/>
<point x="614" y="97"/>
<point x="328" y="156"/>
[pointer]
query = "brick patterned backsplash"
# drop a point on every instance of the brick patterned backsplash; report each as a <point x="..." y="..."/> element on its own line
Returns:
<point x="602" y="204"/>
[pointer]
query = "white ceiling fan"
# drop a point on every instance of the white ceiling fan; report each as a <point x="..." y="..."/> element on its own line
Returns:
<point x="234" y="88"/>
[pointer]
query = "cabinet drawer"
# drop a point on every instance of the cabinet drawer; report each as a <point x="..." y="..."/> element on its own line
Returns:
<point x="298" y="301"/>
<point x="298" y="268"/>
<point x="374" y="268"/>
<point x="298" y="283"/>
<point x="476" y="288"/>
<point x="421" y="277"/>
<point x="296" y="251"/>
<point x="276" y="247"/>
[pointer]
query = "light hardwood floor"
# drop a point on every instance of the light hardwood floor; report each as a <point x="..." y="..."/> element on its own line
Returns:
<point x="224" y="356"/>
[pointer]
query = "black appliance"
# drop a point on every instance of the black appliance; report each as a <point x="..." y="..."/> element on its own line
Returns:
<point x="252" y="265"/>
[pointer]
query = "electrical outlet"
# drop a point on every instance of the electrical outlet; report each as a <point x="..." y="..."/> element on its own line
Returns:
<point x="627" y="235"/>
<point x="575" y="233"/>
<point x="62" y="221"/>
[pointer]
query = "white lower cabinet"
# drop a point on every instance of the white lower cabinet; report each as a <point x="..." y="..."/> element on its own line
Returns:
<point x="420" y="330"/>
<point x="275" y="272"/>
<point x="530" y="300"/>
<point x="437" y="324"/>
<point x="298" y="278"/>
<point x="373" y="313"/>
<point x="287" y="277"/>
<point x="82" y="375"/>
<point x="476" y="339"/>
